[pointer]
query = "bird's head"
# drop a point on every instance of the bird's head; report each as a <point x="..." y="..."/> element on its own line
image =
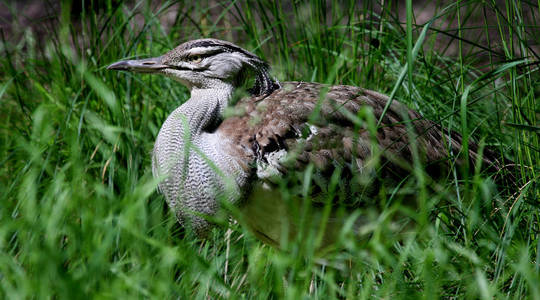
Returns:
<point x="207" y="63"/>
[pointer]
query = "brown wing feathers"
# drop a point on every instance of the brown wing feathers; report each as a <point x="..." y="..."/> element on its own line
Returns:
<point x="281" y="121"/>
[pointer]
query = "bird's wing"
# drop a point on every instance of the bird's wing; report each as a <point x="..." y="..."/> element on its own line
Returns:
<point x="310" y="122"/>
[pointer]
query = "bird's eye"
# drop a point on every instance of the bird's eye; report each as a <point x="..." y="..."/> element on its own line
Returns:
<point x="195" y="59"/>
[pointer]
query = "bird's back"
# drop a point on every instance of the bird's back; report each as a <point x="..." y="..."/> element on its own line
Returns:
<point x="324" y="124"/>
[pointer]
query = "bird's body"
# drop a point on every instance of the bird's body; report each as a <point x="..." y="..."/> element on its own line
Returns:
<point x="207" y="152"/>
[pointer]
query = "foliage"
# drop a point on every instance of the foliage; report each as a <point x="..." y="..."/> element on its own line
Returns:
<point x="80" y="214"/>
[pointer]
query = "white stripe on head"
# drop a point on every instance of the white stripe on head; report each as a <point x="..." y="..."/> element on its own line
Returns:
<point x="203" y="50"/>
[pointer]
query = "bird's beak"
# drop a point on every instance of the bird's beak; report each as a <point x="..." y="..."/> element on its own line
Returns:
<point x="148" y="65"/>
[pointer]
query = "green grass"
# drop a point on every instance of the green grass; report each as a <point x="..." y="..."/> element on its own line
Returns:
<point x="80" y="214"/>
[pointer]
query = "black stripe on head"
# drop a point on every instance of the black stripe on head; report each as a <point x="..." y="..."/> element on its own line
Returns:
<point x="202" y="43"/>
<point x="225" y="46"/>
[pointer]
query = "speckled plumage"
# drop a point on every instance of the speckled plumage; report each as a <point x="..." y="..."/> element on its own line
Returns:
<point x="203" y="158"/>
<point x="284" y="114"/>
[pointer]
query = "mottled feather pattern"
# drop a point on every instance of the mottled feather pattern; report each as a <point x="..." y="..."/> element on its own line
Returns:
<point x="282" y="117"/>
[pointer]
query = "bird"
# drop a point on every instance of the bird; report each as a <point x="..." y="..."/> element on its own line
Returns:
<point x="212" y="153"/>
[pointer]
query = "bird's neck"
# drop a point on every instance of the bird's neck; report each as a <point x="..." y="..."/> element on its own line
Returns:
<point x="190" y="181"/>
<point x="205" y="107"/>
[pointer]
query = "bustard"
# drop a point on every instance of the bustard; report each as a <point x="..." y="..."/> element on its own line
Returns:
<point x="203" y="156"/>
